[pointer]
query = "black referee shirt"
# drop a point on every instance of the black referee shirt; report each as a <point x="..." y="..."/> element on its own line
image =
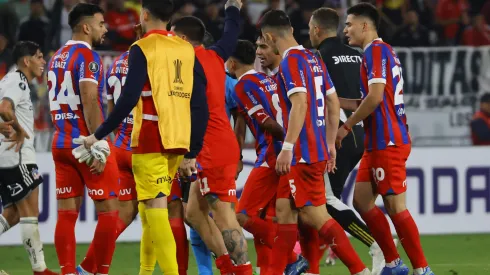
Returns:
<point x="343" y="65"/>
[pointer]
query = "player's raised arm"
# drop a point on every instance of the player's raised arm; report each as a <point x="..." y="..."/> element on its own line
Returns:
<point x="226" y="45"/>
<point x="135" y="81"/>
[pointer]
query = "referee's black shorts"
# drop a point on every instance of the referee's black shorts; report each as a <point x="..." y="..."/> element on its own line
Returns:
<point x="348" y="156"/>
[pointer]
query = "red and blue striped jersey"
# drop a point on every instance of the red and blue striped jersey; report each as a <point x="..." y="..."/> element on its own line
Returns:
<point x="116" y="77"/>
<point x="254" y="95"/>
<point x="387" y="125"/>
<point x="73" y="63"/>
<point x="301" y="72"/>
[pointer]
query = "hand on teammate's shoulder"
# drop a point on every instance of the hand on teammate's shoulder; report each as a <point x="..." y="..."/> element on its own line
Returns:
<point x="235" y="3"/>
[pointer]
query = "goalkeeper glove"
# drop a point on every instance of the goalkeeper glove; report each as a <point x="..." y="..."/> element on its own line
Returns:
<point x="100" y="150"/>
<point x="81" y="153"/>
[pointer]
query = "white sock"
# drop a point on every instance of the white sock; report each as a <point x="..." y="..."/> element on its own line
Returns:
<point x="394" y="263"/>
<point x="419" y="271"/>
<point x="4" y="225"/>
<point x="32" y="242"/>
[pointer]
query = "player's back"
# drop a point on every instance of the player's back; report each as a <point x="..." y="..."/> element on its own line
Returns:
<point x="386" y="126"/>
<point x="73" y="63"/>
<point x="220" y="145"/>
<point x="302" y="72"/>
<point x="256" y="94"/>
<point x="116" y="78"/>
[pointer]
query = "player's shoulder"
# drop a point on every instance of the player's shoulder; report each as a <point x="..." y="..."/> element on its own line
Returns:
<point x="14" y="80"/>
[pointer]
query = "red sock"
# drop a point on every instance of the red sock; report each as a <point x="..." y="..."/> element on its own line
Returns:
<point x="180" y="236"/>
<point x="88" y="263"/>
<point x="287" y="234"/>
<point x="409" y="236"/>
<point x="264" y="253"/>
<point x="64" y="240"/>
<point x="333" y="234"/>
<point x="261" y="229"/>
<point x="378" y="225"/>
<point x="223" y="263"/>
<point x="244" y="269"/>
<point x="105" y="240"/>
<point x="310" y="247"/>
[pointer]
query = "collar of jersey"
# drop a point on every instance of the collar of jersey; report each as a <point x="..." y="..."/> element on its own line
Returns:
<point x="162" y="32"/>
<point x="74" y="42"/>
<point x="377" y="39"/>
<point x="274" y="72"/>
<point x="252" y="71"/>
<point x="299" y="47"/>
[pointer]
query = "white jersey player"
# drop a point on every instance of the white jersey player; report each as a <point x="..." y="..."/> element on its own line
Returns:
<point x="19" y="175"/>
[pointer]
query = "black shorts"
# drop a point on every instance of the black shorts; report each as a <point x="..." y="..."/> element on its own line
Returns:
<point x="348" y="156"/>
<point x="18" y="182"/>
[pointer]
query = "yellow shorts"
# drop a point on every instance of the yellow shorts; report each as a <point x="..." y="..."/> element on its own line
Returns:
<point x="153" y="173"/>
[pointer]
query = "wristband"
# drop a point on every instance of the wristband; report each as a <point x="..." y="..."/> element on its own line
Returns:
<point x="286" y="146"/>
<point x="349" y="129"/>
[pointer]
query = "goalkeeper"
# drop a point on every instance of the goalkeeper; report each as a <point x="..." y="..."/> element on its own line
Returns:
<point x="166" y="85"/>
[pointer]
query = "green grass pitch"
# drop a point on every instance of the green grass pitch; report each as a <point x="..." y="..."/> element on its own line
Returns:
<point x="447" y="255"/>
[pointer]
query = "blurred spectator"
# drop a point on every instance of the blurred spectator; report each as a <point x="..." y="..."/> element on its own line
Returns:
<point x="485" y="11"/>
<point x="300" y="19"/>
<point x="8" y="23"/>
<point x="60" y="31"/>
<point x="120" y="22"/>
<point x="478" y="34"/>
<point x="452" y="15"/>
<point x="392" y="9"/>
<point x="6" y="61"/>
<point x="480" y="125"/>
<point x="35" y="28"/>
<point x="412" y="34"/>
<point x="212" y="19"/>
<point x="247" y="27"/>
<point x="133" y="4"/>
<point x="21" y="7"/>
<point x="273" y="5"/>
<point x="425" y="11"/>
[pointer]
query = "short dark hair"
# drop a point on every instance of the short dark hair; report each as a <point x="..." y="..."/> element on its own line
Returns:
<point x="23" y="49"/>
<point x="366" y="10"/>
<point x="190" y="26"/>
<point x="485" y="98"/>
<point x="208" y="40"/>
<point x="80" y="11"/>
<point x="326" y="18"/>
<point x="161" y="9"/>
<point x="275" y="19"/>
<point x="244" y="52"/>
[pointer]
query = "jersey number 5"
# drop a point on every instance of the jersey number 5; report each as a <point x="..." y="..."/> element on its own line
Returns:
<point x="66" y="94"/>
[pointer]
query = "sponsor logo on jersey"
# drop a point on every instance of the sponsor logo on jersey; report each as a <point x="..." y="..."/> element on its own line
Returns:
<point x="63" y="190"/>
<point x="66" y="116"/>
<point x="346" y="59"/>
<point x="93" y="192"/>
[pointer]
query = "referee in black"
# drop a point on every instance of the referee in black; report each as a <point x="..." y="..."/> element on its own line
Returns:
<point x="343" y="64"/>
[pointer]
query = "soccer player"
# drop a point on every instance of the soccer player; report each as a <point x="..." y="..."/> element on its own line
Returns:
<point x="254" y="94"/>
<point x="343" y="65"/>
<point x="75" y="81"/>
<point x="268" y="57"/>
<point x="308" y="149"/>
<point x="219" y="166"/>
<point x="19" y="176"/>
<point x="387" y="142"/>
<point x="166" y="106"/>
